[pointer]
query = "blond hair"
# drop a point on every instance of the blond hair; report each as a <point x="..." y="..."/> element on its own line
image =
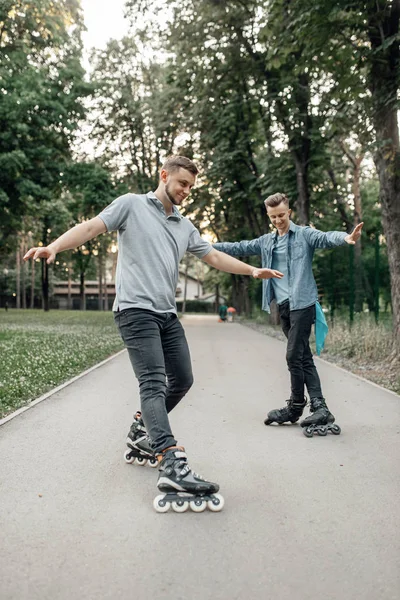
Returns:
<point x="276" y="199"/>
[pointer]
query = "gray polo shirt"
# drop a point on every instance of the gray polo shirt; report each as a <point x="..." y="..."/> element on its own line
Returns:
<point x="150" y="248"/>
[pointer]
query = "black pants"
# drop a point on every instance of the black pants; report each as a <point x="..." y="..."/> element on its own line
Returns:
<point x="160" y="358"/>
<point x="296" y="325"/>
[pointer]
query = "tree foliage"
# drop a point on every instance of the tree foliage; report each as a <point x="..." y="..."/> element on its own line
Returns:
<point x="41" y="87"/>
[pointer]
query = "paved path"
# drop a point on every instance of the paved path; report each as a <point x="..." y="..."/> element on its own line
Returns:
<point x="304" y="518"/>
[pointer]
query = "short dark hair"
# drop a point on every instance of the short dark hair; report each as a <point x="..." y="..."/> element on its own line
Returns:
<point x="175" y="162"/>
<point x="276" y="199"/>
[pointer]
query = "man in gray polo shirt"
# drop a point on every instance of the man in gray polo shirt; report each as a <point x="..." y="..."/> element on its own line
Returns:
<point x="152" y="239"/>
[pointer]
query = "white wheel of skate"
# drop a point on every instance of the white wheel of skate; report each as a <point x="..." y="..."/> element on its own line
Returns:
<point x="153" y="463"/>
<point x="198" y="505"/>
<point x="216" y="504"/>
<point x="141" y="461"/>
<point x="180" y="506"/>
<point x="128" y="460"/>
<point x="160" y="505"/>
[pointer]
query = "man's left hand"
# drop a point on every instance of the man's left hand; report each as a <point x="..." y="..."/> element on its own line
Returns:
<point x="354" y="235"/>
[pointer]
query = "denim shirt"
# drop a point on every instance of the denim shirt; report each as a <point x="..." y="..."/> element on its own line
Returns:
<point x="301" y="245"/>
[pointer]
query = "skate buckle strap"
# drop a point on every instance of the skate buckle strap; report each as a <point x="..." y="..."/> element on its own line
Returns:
<point x="180" y="454"/>
<point x="185" y="470"/>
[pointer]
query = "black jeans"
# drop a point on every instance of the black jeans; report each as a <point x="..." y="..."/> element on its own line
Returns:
<point x="296" y="325"/>
<point x="160" y="358"/>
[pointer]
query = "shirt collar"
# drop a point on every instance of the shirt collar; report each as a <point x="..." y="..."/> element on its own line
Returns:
<point x="292" y="227"/>
<point x="153" y="198"/>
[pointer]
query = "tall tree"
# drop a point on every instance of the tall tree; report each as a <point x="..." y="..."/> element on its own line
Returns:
<point x="366" y="33"/>
<point x="41" y="103"/>
<point x="134" y="117"/>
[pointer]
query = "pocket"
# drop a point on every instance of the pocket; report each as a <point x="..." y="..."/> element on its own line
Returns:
<point x="297" y="250"/>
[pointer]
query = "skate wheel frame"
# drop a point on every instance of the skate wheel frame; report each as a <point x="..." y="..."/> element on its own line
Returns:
<point x="181" y="503"/>
<point x="321" y="430"/>
<point x="130" y="458"/>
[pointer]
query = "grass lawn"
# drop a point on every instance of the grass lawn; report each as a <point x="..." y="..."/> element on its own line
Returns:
<point x="42" y="350"/>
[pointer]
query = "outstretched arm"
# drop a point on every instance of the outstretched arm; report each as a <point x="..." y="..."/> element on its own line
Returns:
<point x="228" y="264"/>
<point x="330" y="239"/>
<point x="243" y="248"/>
<point x="72" y="238"/>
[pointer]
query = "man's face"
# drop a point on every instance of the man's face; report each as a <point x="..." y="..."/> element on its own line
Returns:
<point x="279" y="216"/>
<point x="178" y="184"/>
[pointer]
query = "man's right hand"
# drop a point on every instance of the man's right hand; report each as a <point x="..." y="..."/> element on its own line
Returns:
<point x="266" y="274"/>
<point x="41" y="252"/>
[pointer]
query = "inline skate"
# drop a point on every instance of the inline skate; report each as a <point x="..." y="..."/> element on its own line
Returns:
<point x="320" y="421"/>
<point x="139" y="445"/>
<point x="290" y="413"/>
<point x="182" y="487"/>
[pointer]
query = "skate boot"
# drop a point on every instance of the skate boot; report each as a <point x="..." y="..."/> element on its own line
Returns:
<point x="321" y="420"/>
<point x="290" y="413"/>
<point x="182" y="487"/>
<point x="138" y="442"/>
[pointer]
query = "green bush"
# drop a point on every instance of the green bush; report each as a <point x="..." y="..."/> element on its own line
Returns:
<point x="197" y="306"/>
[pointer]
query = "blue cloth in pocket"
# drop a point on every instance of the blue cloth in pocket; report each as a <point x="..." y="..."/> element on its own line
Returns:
<point x="321" y="328"/>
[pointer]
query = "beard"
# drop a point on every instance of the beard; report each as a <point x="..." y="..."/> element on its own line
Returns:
<point x="170" y="196"/>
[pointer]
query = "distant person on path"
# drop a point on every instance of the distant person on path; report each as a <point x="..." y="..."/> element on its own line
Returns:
<point x="222" y="311"/>
<point x="153" y="237"/>
<point x="290" y="250"/>
<point x="231" y="314"/>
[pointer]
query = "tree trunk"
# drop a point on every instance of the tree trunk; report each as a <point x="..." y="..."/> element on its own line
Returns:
<point x="105" y="286"/>
<point x="274" y="315"/>
<point x="18" y="277"/>
<point x="355" y="162"/>
<point x="82" y="290"/>
<point x="185" y="284"/>
<point x="359" y="289"/>
<point x="100" y="297"/>
<point x="23" y="274"/>
<point x="216" y="297"/>
<point x="246" y="296"/>
<point x="388" y="167"/>
<point x="45" y="285"/>
<point x="303" y="197"/>
<point x="240" y="295"/>
<point x="32" y="304"/>
<point x="69" y="297"/>
<point x="384" y="84"/>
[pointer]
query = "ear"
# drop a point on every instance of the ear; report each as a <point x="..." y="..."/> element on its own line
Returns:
<point x="164" y="175"/>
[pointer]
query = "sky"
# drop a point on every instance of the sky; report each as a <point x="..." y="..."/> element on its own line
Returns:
<point x="104" y="20"/>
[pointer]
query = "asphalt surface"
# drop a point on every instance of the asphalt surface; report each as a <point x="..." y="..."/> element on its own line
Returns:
<point x="304" y="518"/>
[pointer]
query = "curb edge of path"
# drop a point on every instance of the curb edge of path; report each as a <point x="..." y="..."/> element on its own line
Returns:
<point x="57" y="389"/>
<point x="327" y="362"/>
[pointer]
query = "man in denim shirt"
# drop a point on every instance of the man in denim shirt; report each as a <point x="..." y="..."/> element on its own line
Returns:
<point x="290" y="250"/>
